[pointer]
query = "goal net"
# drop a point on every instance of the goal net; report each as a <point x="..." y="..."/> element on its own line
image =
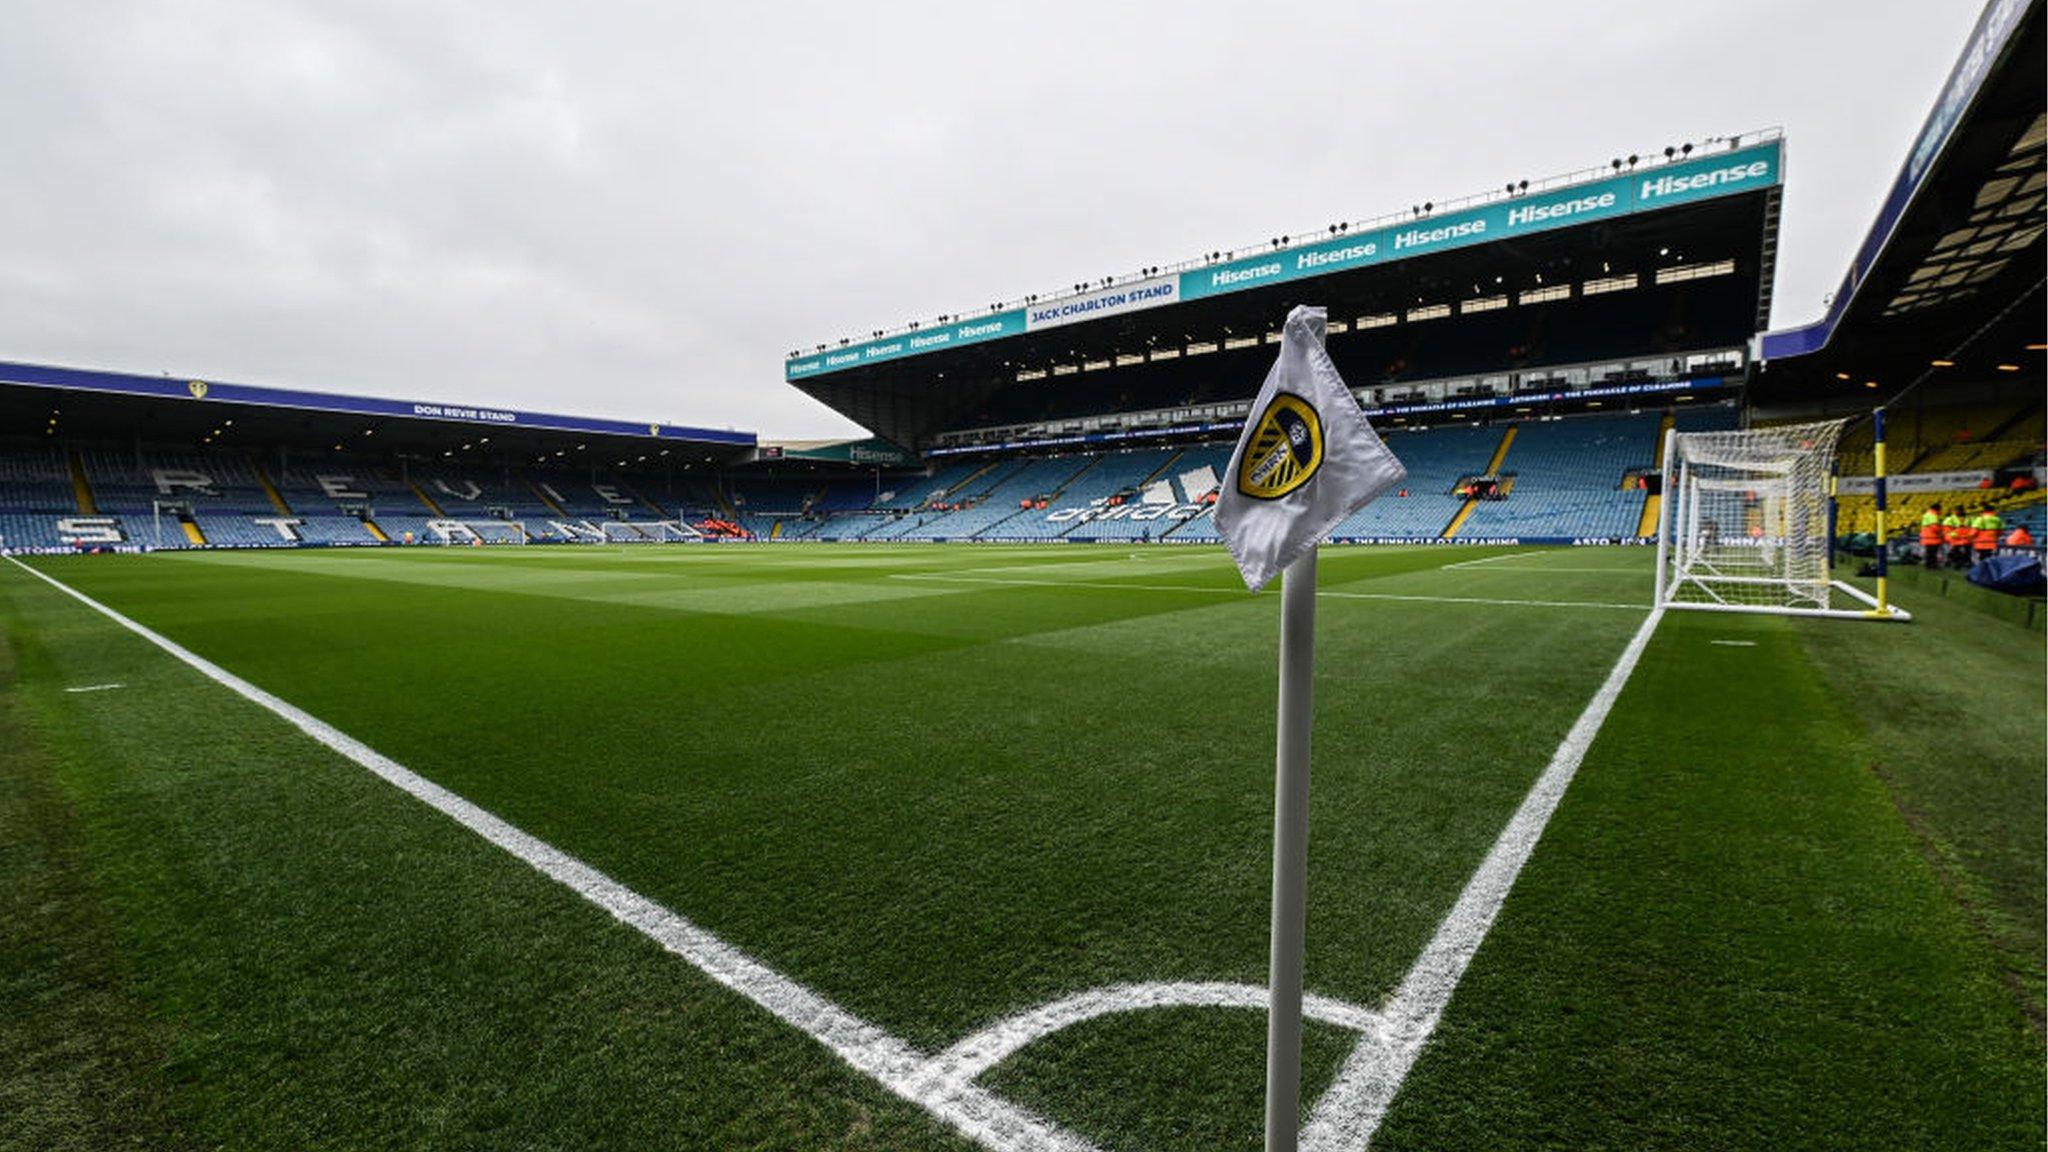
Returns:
<point x="1744" y="525"/>
<point x="477" y="531"/>
<point x="649" y="532"/>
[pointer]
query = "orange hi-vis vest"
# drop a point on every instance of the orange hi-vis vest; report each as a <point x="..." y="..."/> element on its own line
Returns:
<point x="1988" y="526"/>
<point x="1957" y="533"/>
<point x="1930" y="529"/>
<point x="2020" y="538"/>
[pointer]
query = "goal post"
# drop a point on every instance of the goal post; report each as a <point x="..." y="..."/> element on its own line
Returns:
<point x="649" y="532"/>
<point x="1745" y="524"/>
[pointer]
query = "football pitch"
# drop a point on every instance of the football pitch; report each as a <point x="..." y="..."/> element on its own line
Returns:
<point x="955" y="847"/>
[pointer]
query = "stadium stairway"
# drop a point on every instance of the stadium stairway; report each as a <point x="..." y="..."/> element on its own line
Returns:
<point x="890" y="518"/>
<point x="426" y="499"/>
<point x="1653" y="505"/>
<point x="547" y="501"/>
<point x="1047" y="477"/>
<point x="969" y="489"/>
<point x="1027" y="523"/>
<point x="270" y="491"/>
<point x="998" y="501"/>
<point x="1161" y="474"/>
<point x="80" y="487"/>
<point x="1435" y="460"/>
<point x="1500" y="455"/>
<point x="1145" y="478"/>
<point x="1568" y="480"/>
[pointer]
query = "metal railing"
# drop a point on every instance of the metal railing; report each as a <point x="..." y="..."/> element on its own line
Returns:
<point x="1287" y="241"/>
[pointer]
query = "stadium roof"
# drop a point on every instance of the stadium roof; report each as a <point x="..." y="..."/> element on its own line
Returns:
<point x="1952" y="268"/>
<point x="82" y="404"/>
<point x="1634" y="222"/>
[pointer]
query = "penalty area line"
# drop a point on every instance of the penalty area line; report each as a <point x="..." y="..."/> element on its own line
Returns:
<point x="1457" y="564"/>
<point x="1356" y="1102"/>
<point x="1333" y="594"/>
<point x="974" y="1111"/>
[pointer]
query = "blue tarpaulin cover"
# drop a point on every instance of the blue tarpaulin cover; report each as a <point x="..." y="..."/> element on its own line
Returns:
<point x="2017" y="573"/>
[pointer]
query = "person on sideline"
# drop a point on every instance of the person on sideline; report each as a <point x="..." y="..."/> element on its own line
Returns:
<point x="1989" y="526"/>
<point x="1931" y="540"/>
<point x="1957" y="535"/>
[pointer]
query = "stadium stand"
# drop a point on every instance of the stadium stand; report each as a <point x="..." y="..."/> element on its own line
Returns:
<point x="1134" y="479"/>
<point x="996" y="495"/>
<point x="1560" y="478"/>
<point x="36" y="492"/>
<point x="1564" y="477"/>
<point x="175" y="499"/>
<point x="1436" y="460"/>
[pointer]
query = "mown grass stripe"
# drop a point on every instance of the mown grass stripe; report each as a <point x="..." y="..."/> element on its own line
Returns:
<point x="1351" y="1111"/>
<point x="975" y="1112"/>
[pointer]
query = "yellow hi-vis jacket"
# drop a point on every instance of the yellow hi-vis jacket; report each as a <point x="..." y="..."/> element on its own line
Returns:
<point x="1988" y="526"/>
<point x="1930" y="529"/>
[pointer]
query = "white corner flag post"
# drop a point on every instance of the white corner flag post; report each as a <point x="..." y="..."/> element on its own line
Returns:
<point x="1290" y="852"/>
<point x="1307" y="459"/>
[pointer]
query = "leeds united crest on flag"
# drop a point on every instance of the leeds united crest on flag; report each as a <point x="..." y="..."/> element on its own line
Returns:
<point x="1307" y="458"/>
<point x="1286" y="449"/>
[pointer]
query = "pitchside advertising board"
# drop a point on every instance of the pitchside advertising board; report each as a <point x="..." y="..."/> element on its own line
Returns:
<point x="1646" y="190"/>
<point x="209" y="391"/>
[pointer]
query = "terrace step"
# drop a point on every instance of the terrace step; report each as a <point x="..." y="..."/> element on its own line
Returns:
<point x="270" y="491"/>
<point x="81" y="490"/>
<point x="426" y="499"/>
<point x="1653" y="507"/>
<point x="1500" y="455"/>
<point x="553" y="505"/>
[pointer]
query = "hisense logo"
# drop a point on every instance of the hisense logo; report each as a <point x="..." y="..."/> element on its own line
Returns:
<point x="1672" y="185"/>
<point x="1558" y="209"/>
<point x="1222" y="277"/>
<point x="1417" y="237"/>
<point x="1307" y="260"/>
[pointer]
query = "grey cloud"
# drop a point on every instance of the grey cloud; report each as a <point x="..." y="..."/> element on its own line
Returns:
<point x="634" y="210"/>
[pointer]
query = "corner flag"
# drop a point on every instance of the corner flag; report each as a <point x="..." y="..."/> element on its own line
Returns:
<point x="1307" y="459"/>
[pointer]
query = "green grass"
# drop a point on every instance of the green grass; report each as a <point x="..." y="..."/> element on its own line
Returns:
<point x="1953" y="708"/>
<point x="944" y="785"/>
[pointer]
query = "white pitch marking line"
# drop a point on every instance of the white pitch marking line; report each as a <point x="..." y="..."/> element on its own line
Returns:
<point x="967" y="1060"/>
<point x="1484" y="600"/>
<point x="951" y="579"/>
<point x="993" y="1122"/>
<point x="92" y="687"/>
<point x="1545" y="569"/>
<point x="1735" y="643"/>
<point x="1346" y="1117"/>
<point x="1357" y="1100"/>
<point x="1455" y="565"/>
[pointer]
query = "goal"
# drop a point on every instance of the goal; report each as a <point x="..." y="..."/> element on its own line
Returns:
<point x="649" y="531"/>
<point x="1745" y="524"/>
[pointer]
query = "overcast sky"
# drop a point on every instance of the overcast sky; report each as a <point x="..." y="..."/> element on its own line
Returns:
<point x="635" y="209"/>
